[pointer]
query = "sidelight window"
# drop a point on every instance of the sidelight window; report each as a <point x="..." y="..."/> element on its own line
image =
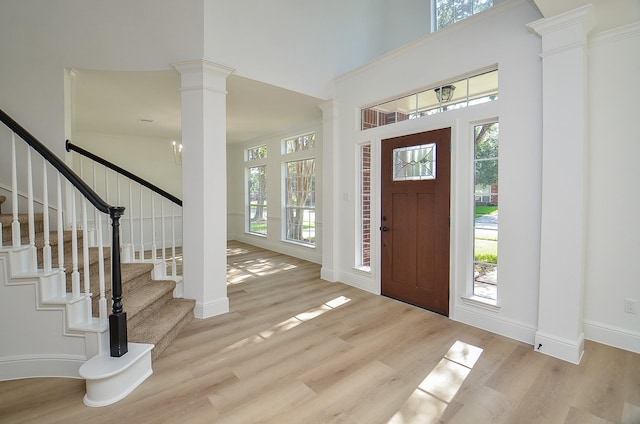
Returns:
<point x="365" y="207"/>
<point x="486" y="203"/>
<point x="257" y="201"/>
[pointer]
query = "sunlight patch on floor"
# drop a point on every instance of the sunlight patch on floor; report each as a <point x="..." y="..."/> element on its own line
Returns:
<point x="432" y="396"/>
<point x="238" y="272"/>
<point x="236" y="251"/>
<point x="290" y="323"/>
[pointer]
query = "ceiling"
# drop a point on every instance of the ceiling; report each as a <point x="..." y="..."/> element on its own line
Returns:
<point x="147" y="104"/>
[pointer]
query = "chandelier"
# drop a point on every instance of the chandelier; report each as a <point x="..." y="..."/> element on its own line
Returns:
<point x="177" y="153"/>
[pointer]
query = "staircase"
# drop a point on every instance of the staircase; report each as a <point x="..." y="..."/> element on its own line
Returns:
<point x="154" y="315"/>
<point x="57" y="317"/>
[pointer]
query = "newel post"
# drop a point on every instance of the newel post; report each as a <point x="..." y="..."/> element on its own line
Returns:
<point x="118" y="318"/>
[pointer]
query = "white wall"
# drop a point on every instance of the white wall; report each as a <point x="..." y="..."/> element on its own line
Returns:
<point x="303" y="47"/>
<point x="613" y="197"/>
<point x="237" y="171"/>
<point x="498" y="37"/>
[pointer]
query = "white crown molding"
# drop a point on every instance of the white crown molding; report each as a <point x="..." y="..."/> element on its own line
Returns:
<point x="580" y="16"/>
<point x="615" y="35"/>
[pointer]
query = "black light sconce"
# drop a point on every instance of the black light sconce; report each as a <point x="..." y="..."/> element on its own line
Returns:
<point x="444" y="93"/>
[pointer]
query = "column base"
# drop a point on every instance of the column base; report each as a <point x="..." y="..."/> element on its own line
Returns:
<point x="567" y="350"/>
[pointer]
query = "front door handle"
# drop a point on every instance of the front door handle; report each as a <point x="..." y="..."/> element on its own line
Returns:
<point x="384" y="229"/>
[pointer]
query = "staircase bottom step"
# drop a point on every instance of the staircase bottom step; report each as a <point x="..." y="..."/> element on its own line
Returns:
<point x="110" y="379"/>
<point x="161" y="328"/>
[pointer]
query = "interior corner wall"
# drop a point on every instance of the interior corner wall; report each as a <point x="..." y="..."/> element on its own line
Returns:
<point x="236" y="189"/>
<point x="613" y="228"/>
<point x="498" y="36"/>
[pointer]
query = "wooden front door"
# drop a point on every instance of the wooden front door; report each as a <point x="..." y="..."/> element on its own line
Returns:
<point x="416" y="175"/>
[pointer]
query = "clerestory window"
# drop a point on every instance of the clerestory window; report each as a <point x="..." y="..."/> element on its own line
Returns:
<point x="447" y="12"/>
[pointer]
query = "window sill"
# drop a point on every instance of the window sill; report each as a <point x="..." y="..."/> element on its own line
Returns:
<point x="364" y="270"/>
<point x="301" y="244"/>
<point x="256" y="234"/>
<point x="481" y="302"/>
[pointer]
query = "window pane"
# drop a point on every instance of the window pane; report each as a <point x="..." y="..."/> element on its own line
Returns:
<point x="365" y="205"/>
<point x="300" y="201"/>
<point x="451" y="95"/>
<point x="256" y="153"/>
<point x="451" y="11"/>
<point x="486" y="202"/>
<point x="303" y="142"/>
<point x="257" y="192"/>
<point x="414" y="163"/>
<point x="483" y="88"/>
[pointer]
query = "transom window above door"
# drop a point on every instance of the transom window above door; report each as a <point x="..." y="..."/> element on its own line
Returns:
<point x="461" y="92"/>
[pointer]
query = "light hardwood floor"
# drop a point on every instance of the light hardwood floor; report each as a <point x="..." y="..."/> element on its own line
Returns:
<point x="296" y="349"/>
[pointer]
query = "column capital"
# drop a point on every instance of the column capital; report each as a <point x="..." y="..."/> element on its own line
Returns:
<point x="564" y="30"/>
<point x="201" y="74"/>
<point x="329" y="108"/>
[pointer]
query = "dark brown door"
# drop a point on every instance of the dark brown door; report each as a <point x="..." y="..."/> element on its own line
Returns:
<point x="416" y="175"/>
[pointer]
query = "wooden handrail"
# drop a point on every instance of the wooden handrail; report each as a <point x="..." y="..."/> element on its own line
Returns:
<point x="70" y="146"/>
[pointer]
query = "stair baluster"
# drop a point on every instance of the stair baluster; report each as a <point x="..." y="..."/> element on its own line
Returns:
<point x="85" y="260"/>
<point x="154" y="246"/>
<point x="33" y="253"/>
<point x="46" y="249"/>
<point x="132" y="247"/>
<point x="173" y="244"/>
<point x="141" y="257"/>
<point x="75" y="275"/>
<point x="60" y="224"/>
<point x="15" y="223"/>
<point x="102" y="303"/>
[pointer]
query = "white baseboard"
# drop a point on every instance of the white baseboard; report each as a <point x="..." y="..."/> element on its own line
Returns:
<point x="493" y="322"/>
<point x="328" y="275"/>
<point x="300" y="251"/>
<point x="612" y="336"/>
<point x="15" y="368"/>
<point x="211" y="309"/>
<point x="567" y="350"/>
<point x="361" y="282"/>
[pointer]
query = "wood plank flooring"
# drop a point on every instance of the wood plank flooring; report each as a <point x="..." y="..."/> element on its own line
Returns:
<point x="296" y="349"/>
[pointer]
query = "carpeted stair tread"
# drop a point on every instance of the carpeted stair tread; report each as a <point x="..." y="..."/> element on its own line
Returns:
<point x="23" y="218"/>
<point x="161" y="328"/>
<point x="147" y="299"/>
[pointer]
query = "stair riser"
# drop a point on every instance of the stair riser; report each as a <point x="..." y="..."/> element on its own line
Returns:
<point x="168" y="338"/>
<point x="150" y="310"/>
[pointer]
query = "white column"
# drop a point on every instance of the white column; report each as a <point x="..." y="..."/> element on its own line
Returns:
<point x="562" y="244"/>
<point x="204" y="181"/>
<point x="330" y="233"/>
